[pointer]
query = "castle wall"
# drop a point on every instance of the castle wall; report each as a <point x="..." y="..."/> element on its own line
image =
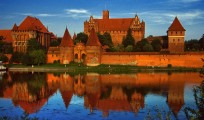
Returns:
<point x="188" y="59"/>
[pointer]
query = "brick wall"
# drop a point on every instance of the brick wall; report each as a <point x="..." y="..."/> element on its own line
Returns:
<point x="188" y="59"/>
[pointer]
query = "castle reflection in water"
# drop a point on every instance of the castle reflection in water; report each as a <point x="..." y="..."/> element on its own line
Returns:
<point x="104" y="92"/>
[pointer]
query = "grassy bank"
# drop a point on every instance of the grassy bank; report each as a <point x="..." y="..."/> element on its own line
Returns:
<point x="80" y="68"/>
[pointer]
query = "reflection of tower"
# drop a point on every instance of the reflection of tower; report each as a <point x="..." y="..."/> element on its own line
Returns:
<point x="79" y="85"/>
<point x="176" y="92"/>
<point x="137" y="102"/>
<point x="92" y="91"/>
<point x="66" y="88"/>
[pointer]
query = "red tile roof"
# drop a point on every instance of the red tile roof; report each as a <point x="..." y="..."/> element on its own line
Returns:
<point x="93" y="39"/>
<point x="176" y="26"/>
<point x="116" y="24"/>
<point x="31" y="23"/>
<point x="66" y="40"/>
<point x="7" y="37"/>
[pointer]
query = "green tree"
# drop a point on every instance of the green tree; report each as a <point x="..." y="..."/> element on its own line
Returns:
<point x="192" y="45"/>
<point x="39" y="57"/>
<point x="6" y="48"/>
<point x="16" y="57"/>
<point x="140" y="45"/>
<point x="128" y="40"/>
<point x="81" y="37"/>
<point x="105" y="39"/>
<point x="3" y="58"/>
<point x="26" y="59"/>
<point x="54" y="43"/>
<point x="201" y="42"/>
<point x="129" y="48"/>
<point x="148" y="48"/>
<point x="33" y="45"/>
<point x="157" y="45"/>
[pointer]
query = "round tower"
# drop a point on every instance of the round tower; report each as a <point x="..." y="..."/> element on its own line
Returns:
<point x="93" y="50"/>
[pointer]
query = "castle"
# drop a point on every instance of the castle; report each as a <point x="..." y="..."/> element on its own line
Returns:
<point x="116" y="27"/>
<point x="92" y="54"/>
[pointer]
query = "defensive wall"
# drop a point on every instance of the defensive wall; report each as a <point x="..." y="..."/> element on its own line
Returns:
<point x="154" y="59"/>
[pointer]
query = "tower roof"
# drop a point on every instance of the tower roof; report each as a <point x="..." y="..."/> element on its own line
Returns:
<point x="74" y="36"/>
<point x="31" y="23"/>
<point x="176" y="26"/>
<point x="15" y="27"/>
<point x="66" y="40"/>
<point x="93" y="39"/>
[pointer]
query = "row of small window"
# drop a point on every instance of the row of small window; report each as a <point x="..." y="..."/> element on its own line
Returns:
<point x="175" y="40"/>
<point x="21" y="43"/>
<point x="177" y="32"/>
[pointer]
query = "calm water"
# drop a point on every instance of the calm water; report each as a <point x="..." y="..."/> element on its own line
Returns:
<point x="94" y="96"/>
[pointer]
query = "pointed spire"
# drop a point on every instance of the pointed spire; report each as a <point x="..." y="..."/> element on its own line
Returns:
<point x="15" y="27"/>
<point x="66" y="40"/>
<point x="93" y="39"/>
<point x="176" y="26"/>
<point x="66" y="96"/>
<point x="74" y="37"/>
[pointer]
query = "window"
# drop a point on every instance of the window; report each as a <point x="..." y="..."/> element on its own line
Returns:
<point x="178" y="40"/>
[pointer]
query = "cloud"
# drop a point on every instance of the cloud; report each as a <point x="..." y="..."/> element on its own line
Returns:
<point x="37" y="15"/>
<point x="165" y="17"/>
<point x="185" y="1"/>
<point x="76" y="11"/>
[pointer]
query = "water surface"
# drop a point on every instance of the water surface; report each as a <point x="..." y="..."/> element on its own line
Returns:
<point x="96" y="96"/>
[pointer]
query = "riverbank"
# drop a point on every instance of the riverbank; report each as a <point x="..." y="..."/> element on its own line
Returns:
<point x="80" y="68"/>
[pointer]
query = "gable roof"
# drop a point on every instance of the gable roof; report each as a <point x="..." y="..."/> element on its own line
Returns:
<point x="115" y="24"/>
<point x="66" y="40"/>
<point x="176" y="26"/>
<point x="93" y="39"/>
<point x="31" y="23"/>
<point x="6" y="34"/>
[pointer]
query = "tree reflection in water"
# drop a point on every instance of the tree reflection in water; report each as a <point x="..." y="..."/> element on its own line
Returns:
<point x="198" y="113"/>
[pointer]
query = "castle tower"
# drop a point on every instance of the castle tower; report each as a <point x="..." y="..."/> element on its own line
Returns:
<point x="66" y="48"/>
<point x="105" y="14"/>
<point x="93" y="50"/>
<point x="176" y="36"/>
<point x="175" y="97"/>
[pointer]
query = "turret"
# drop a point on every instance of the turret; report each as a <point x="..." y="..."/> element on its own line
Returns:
<point x="176" y="36"/>
<point x="93" y="50"/>
<point x="66" y="48"/>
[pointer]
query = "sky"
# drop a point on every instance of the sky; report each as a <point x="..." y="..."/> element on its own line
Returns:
<point x="57" y="14"/>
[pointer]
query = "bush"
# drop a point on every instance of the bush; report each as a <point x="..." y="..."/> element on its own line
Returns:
<point x="3" y="58"/>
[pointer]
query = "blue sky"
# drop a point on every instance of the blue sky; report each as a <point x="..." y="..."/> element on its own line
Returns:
<point x="57" y="14"/>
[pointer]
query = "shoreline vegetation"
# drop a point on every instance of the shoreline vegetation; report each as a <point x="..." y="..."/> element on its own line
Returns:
<point x="80" y="68"/>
